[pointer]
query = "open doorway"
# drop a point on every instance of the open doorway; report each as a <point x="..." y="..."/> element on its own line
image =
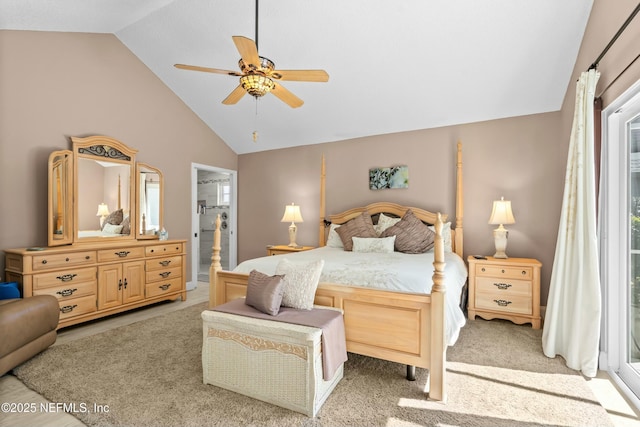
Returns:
<point x="213" y="193"/>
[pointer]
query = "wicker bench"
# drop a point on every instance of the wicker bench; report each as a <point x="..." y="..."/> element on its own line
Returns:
<point x="278" y="363"/>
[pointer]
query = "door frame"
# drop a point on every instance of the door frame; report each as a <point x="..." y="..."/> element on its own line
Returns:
<point x="195" y="219"/>
<point x="613" y="223"/>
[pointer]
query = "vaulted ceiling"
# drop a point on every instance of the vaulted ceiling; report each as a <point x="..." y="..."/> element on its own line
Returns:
<point x="394" y="65"/>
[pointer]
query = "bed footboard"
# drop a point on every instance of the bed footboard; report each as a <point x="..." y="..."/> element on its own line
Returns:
<point x="406" y="328"/>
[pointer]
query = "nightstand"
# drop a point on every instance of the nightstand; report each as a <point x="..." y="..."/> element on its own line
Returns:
<point x="505" y="289"/>
<point x="284" y="249"/>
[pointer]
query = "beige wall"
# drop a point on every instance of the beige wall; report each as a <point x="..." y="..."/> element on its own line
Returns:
<point x="522" y="159"/>
<point x="57" y="85"/>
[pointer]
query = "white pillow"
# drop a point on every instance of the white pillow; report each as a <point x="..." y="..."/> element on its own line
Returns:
<point x="380" y="245"/>
<point x="446" y="235"/>
<point x="334" y="240"/>
<point x="385" y="222"/>
<point x="112" y="229"/>
<point x="300" y="282"/>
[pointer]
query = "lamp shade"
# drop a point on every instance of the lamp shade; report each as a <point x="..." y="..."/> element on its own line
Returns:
<point x="501" y="213"/>
<point x="292" y="214"/>
<point x="103" y="210"/>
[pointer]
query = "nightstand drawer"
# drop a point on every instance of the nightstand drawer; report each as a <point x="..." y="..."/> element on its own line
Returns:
<point x="511" y="272"/>
<point x="499" y="287"/>
<point x="508" y="304"/>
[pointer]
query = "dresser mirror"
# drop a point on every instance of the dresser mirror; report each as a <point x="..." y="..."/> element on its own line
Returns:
<point x="149" y="201"/>
<point x="60" y="229"/>
<point x="104" y="188"/>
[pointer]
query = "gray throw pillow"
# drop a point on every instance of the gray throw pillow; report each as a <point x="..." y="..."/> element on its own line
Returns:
<point x="264" y="292"/>
<point x="360" y="226"/>
<point x="412" y="235"/>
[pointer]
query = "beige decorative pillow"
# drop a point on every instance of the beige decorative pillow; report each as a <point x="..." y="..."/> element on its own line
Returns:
<point x="264" y="292"/>
<point x="112" y="229"/>
<point x="360" y="226"/>
<point x="385" y="222"/>
<point x="334" y="240"/>
<point x="380" y="245"/>
<point x="412" y="236"/>
<point x="300" y="282"/>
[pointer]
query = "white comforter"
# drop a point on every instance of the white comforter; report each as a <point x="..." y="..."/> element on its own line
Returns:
<point x="393" y="271"/>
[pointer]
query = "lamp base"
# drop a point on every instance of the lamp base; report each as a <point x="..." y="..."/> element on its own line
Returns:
<point x="500" y="235"/>
<point x="292" y="234"/>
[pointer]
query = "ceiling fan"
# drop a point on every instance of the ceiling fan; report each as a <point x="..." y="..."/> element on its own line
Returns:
<point x="258" y="75"/>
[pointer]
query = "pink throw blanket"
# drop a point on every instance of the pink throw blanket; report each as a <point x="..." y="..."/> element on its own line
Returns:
<point x="334" y="346"/>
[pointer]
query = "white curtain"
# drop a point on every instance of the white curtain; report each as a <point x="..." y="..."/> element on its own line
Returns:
<point x="572" y="319"/>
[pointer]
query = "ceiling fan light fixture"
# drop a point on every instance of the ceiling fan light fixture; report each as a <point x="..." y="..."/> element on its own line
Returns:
<point x="257" y="85"/>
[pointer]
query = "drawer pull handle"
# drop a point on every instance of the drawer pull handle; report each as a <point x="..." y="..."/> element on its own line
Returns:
<point x="87" y="257"/>
<point x="165" y="274"/>
<point x="125" y="283"/>
<point x="524" y="273"/>
<point x="164" y="263"/>
<point x="165" y="287"/>
<point x="66" y="292"/>
<point x="68" y="308"/>
<point x="502" y="302"/>
<point x="503" y="271"/>
<point x="66" y="277"/>
<point x="66" y="259"/>
<point x="120" y="284"/>
<point x="502" y="285"/>
<point x="122" y="254"/>
<point x="44" y="261"/>
<point x="483" y="270"/>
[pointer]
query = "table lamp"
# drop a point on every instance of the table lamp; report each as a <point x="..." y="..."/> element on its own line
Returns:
<point x="292" y="213"/>
<point x="501" y="214"/>
<point x="103" y="212"/>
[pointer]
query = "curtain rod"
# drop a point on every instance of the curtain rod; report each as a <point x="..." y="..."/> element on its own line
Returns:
<point x="615" y="37"/>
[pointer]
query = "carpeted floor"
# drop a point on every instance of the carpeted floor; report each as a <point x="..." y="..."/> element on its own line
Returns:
<point x="149" y="374"/>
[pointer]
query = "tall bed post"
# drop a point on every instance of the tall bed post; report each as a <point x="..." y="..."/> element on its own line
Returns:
<point x="321" y="235"/>
<point x="459" y="202"/>
<point x="215" y="264"/>
<point x="438" y="348"/>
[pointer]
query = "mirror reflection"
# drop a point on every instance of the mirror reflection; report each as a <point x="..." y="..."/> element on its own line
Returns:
<point x="149" y="202"/>
<point x="104" y="198"/>
<point x="59" y="201"/>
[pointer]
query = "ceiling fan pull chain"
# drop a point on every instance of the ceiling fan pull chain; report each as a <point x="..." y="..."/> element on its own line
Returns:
<point x="255" y="123"/>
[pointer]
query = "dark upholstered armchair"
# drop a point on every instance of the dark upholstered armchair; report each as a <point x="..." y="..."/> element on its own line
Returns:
<point x="27" y="327"/>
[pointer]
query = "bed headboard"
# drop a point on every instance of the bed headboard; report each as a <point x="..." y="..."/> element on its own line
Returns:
<point x="394" y="209"/>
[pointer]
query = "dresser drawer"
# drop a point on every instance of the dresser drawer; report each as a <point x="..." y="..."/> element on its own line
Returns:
<point x="64" y="278"/>
<point x="77" y="306"/>
<point x="164" y="274"/>
<point x="120" y="254"/>
<point x="49" y="262"/>
<point x="511" y="272"/>
<point x="163" y="263"/>
<point x="163" y="287"/>
<point x="507" y="304"/>
<point x="70" y="291"/>
<point x="498" y="287"/>
<point x="166" y="249"/>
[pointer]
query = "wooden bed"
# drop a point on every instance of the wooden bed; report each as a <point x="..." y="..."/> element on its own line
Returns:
<point x="407" y="328"/>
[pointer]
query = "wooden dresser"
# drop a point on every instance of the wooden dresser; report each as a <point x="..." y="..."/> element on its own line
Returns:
<point x="93" y="280"/>
<point x="505" y="289"/>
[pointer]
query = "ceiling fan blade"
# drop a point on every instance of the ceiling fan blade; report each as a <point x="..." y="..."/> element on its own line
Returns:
<point x="248" y="50"/>
<point x="234" y="96"/>
<point x="207" y="70"/>
<point x="286" y="96"/>
<point x="301" y="75"/>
